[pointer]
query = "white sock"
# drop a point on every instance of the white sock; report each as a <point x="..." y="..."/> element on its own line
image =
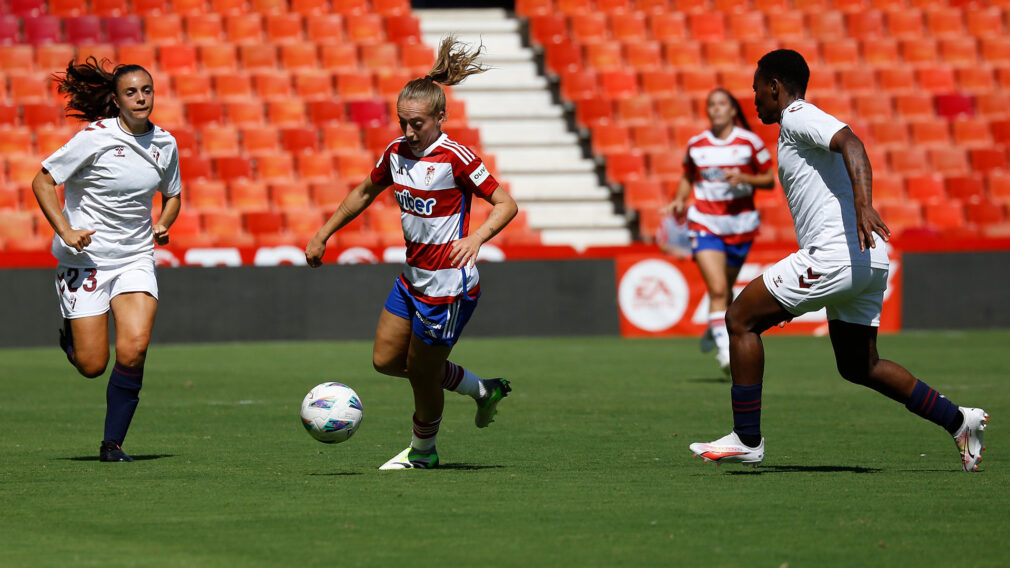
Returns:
<point x="469" y="383"/>
<point x="717" y="323"/>
<point x="423" y="437"/>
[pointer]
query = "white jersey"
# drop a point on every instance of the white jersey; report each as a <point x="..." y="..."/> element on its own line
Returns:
<point x="818" y="189"/>
<point x="110" y="179"/>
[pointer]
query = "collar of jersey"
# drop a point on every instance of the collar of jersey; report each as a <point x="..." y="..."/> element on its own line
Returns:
<point x="431" y="148"/>
<point x="785" y="110"/>
<point x="128" y="133"/>
<point x="718" y="142"/>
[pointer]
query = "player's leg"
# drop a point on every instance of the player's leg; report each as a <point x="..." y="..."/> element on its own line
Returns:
<point x="855" y="347"/>
<point x="134" y="314"/>
<point x="750" y="314"/>
<point x="87" y="344"/>
<point x="392" y="340"/>
<point x="712" y="265"/>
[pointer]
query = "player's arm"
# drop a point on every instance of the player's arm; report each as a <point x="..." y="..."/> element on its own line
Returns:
<point x="868" y="221"/>
<point x="464" y="251"/>
<point x="169" y="213"/>
<point x="44" y="187"/>
<point x="356" y="201"/>
<point x="678" y="207"/>
<point x="765" y="180"/>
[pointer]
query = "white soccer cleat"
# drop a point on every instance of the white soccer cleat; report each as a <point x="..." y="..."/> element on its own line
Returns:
<point x="412" y="459"/>
<point x="729" y="448"/>
<point x="969" y="437"/>
<point x="707" y="341"/>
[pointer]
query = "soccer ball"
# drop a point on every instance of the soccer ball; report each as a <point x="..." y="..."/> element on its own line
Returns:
<point x="331" y="412"/>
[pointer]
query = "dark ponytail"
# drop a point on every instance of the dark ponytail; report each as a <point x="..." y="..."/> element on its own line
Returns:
<point x="741" y="120"/>
<point x="91" y="88"/>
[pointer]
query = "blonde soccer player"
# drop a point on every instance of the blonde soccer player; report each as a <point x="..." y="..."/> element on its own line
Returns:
<point x="104" y="237"/>
<point x="433" y="180"/>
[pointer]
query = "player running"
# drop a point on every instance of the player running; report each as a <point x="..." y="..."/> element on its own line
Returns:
<point x="104" y="237"/>
<point x="723" y="165"/>
<point x="433" y="179"/>
<point x="842" y="265"/>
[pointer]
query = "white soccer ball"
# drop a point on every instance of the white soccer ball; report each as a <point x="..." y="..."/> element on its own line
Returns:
<point x="331" y="412"/>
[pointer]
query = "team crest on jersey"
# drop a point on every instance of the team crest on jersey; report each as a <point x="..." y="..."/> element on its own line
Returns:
<point x="429" y="176"/>
<point x="120" y="151"/>
<point x="156" y="154"/>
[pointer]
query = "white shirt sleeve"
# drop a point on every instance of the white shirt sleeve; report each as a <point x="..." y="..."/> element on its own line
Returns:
<point x="171" y="185"/>
<point x="80" y="151"/>
<point x="814" y="127"/>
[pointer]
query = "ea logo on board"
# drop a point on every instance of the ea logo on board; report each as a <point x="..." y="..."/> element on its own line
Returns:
<point x="653" y="295"/>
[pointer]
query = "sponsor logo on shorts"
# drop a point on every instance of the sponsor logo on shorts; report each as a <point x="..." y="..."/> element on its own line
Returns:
<point x="777" y="281"/>
<point x="414" y="204"/>
<point x="429" y="323"/>
<point x="810" y="276"/>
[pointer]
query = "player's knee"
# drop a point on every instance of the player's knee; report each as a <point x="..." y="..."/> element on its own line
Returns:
<point x="92" y="367"/>
<point x="854" y="372"/>
<point x="132" y="352"/>
<point x="387" y="367"/>
<point x="719" y="293"/>
<point x="736" y="321"/>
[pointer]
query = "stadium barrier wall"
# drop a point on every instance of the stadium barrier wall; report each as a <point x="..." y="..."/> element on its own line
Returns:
<point x="520" y="297"/>
<point x="333" y="302"/>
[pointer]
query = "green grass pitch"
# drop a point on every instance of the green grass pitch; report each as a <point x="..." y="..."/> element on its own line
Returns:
<point x="587" y="463"/>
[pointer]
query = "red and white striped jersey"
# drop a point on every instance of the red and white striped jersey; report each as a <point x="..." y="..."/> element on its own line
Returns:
<point x="434" y="191"/>
<point x="720" y="208"/>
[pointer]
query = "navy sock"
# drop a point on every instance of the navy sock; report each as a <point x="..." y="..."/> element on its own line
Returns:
<point x="934" y="407"/>
<point x="747" y="413"/>
<point x="121" y="399"/>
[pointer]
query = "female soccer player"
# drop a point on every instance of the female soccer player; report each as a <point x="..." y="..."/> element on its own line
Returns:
<point x="433" y="179"/>
<point x="842" y="265"/>
<point x="104" y="237"/>
<point x="724" y="165"/>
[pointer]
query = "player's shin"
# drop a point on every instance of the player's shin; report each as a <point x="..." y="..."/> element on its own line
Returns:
<point x="122" y="397"/>
<point x="934" y="407"/>
<point x="747" y="413"/>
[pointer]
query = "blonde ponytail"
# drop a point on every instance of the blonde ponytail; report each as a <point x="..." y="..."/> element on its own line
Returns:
<point x="455" y="62"/>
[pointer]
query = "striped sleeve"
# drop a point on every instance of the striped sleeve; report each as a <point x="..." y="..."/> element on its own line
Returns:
<point x="473" y="175"/>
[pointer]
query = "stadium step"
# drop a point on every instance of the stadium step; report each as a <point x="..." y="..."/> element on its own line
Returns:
<point x="520" y="124"/>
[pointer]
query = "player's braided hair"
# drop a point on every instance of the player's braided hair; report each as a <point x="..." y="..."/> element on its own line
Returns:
<point x="91" y="87"/>
<point x="788" y="67"/>
<point x="740" y="118"/>
<point x="455" y="62"/>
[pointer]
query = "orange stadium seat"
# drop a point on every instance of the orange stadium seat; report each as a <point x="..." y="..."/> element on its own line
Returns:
<point x="313" y="8"/>
<point x="630" y="111"/>
<point x="653" y="6"/>
<point x="258" y="56"/>
<point x="404" y="29"/>
<point x="747" y="26"/>
<point x="579" y="85"/>
<point x="15" y="140"/>
<point x="286" y="112"/>
<point x="300" y="139"/>
<point x="354" y="85"/>
<point x="16" y="58"/>
<point x="905" y="23"/>
<point x="313" y="84"/>
<point x="889" y="132"/>
<point x="618" y="84"/>
<point x="896" y="79"/>
<point x="219" y="57"/>
<point x="284" y="28"/>
<point x="629" y="27"/>
<point x="259" y="140"/>
<point x="907" y="160"/>
<point x="37" y="115"/>
<point x="841" y="53"/>
<point x="614" y="6"/>
<point x="873" y="106"/>
<point x="949" y="215"/>
<point x="528" y="8"/>
<point x="826" y="26"/>
<point x="588" y="28"/>
<point x="668" y="26"/>
<point x="665" y="165"/>
<point x="659" y="83"/>
<point x="930" y="132"/>
<point x="313" y="166"/>
<point x="142" y="54"/>
<point x="389" y="83"/>
<point x="968" y="188"/>
<point x="204" y="113"/>
<point x="591" y="111"/>
<point x="971" y="132"/>
<point x="364" y="28"/>
<point x="232" y="85"/>
<point x="994" y="104"/>
<point x="339" y="57"/>
<point x="67" y="8"/>
<point x="975" y="79"/>
<point x="391" y="7"/>
<point x="299" y="56"/>
<point x="248" y="195"/>
<point x="206" y="195"/>
<point x="288" y="196"/>
<point x="995" y="49"/>
<point x="787" y="25"/>
<point x="650" y="137"/>
<point x="269" y="6"/>
<point x="959" y="51"/>
<point x="754" y="49"/>
<point x="563" y="57"/>
<point x="721" y="53"/>
<point x="350" y="6"/>
<point x="379" y="56"/>
<point x="925" y="188"/>
<point x="31" y="87"/>
<point x="16" y="225"/>
<point x="277" y="167"/>
<point x="984" y="22"/>
<point x="150" y="7"/>
<point x="604" y="55"/>
<point x="879" y="51"/>
<point x="303" y="222"/>
<point x="699" y="82"/>
<point x="985" y="213"/>
<point x="948" y="161"/>
<point x="353" y="166"/>
<point x="170" y="114"/>
<point x="48" y="140"/>
<point x="229" y="7"/>
<point x="322" y="112"/>
<point x="97" y="50"/>
<point x="608" y="137"/>
<point x="572" y="7"/>
<point x="936" y="79"/>
<point x="548" y="29"/>
<point x="219" y="141"/>
<point x="901" y="216"/>
<point x="919" y="51"/>
<point x="221" y="223"/>
<point x="887" y="188"/>
<point x="857" y="81"/>
<point x="204" y="28"/>
<point x="707" y="26"/>
<point x="377" y="137"/>
<point x="914" y="105"/>
<point x="674" y="109"/>
<point x="263" y="222"/>
<point x="865" y="24"/>
<point x="191" y="86"/>
<point x="682" y="54"/>
<point x="625" y="166"/>
<point x="986" y="159"/>
<point x="232" y="168"/>
<point x="998" y="186"/>
<point x="177" y="58"/>
<point x="193" y="167"/>
<point x="326" y="30"/>
<point x="342" y="138"/>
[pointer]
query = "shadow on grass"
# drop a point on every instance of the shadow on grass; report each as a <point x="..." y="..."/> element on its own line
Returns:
<point x="135" y="458"/>
<point x="715" y="380"/>
<point x="336" y="474"/>
<point x="806" y="469"/>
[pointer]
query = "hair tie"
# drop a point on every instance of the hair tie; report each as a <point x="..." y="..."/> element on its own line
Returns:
<point x="429" y="78"/>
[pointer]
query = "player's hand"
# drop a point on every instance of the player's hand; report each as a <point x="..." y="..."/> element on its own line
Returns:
<point x="314" y="252"/>
<point x="463" y="252"/>
<point x="867" y="223"/>
<point x="677" y="208"/>
<point x="77" y="238"/>
<point x="160" y="234"/>
<point x="734" y="178"/>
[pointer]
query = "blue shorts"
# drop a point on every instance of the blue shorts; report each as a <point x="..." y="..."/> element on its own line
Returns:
<point x="735" y="254"/>
<point x="434" y="324"/>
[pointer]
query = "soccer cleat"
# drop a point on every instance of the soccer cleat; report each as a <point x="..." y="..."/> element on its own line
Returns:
<point x="412" y="459"/>
<point x="707" y="341"/>
<point x="969" y="437"/>
<point x="729" y="448"/>
<point x="487" y="406"/>
<point x="110" y="451"/>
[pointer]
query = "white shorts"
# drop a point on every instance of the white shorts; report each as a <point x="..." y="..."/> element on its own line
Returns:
<point x="853" y="294"/>
<point x="86" y="292"/>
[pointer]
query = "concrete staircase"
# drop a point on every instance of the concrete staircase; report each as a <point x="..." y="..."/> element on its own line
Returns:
<point x="540" y="158"/>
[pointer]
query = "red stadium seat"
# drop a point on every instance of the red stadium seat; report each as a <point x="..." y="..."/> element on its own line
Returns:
<point x="39" y="30"/>
<point x="232" y="168"/>
<point x="619" y="84"/>
<point x="588" y="27"/>
<point x="985" y="213"/>
<point x="986" y="159"/>
<point x="953" y="105"/>
<point x="572" y="7"/>
<point x="10" y="29"/>
<point x="593" y="111"/>
<point x="84" y="29"/>
<point x="563" y="57"/>
<point x="966" y="188"/>
<point x="707" y="26"/>
<point x="629" y="27"/>
<point x="193" y="167"/>
<point x="948" y="215"/>
<point x="177" y="58"/>
<point x="368" y="113"/>
<point x="37" y="115"/>
<point x="403" y="29"/>
<point x="124" y="30"/>
<point x="263" y="222"/>
<point x="608" y="137"/>
<point x="865" y="24"/>
<point x="925" y="188"/>
<point x="300" y="139"/>
<point x="625" y="166"/>
<point x="549" y="29"/>
<point x="322" y="112"/>
<point x="204" y="113"/>
<point x="67" y="8"/>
